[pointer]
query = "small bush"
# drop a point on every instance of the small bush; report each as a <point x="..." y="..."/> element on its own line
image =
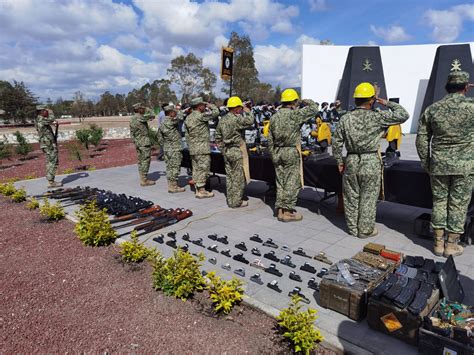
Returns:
<point x="33" y="204"/>
<point x="30" y="177"/>
<point x="91" y="168"/>
<point x="23" y="147"/>
<point x="52" y="212"/>
<point x="83" y="136"/>
<point x="224" y="294"/>
<point x="7" y="189"/>
<point x="298" y="326"/>
<point x="5" y="150"/>
<point x="19" y="195"/>
<point x="94" y="228"/>
<point x="133" y="251"/>
<point x="178" y="275"/>
<point x="69" y="171"/>
<point x="96" y="134"/>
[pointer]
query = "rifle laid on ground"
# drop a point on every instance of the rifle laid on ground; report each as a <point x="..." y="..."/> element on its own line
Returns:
<point x="183" y="215"/>
<point x="139" y="214"/>
<point x="59" y="192"/>
<point x="142" y="220"/>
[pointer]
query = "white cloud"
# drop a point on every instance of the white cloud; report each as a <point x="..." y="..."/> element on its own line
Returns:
<point x="318" y="5"/>
<point x="392" y="34"/>
<point x="447" y="24"/>
<point x="128" y="42"/>
<point x="372" y="43"/>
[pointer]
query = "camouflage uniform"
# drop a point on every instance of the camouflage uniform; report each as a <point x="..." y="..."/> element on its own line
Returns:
<point x="169" y="138"/>
<point x="228" y="138"/>
<point x="139" y="133"/>
<point x="360" y="131"/>
<point x="445" y="144"/>
<point x="197" y="138"/>
<point x="48" y="144"/>
<point x="283" y="137"/>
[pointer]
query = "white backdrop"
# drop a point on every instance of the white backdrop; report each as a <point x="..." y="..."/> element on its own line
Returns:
<point x="406" y="69"/>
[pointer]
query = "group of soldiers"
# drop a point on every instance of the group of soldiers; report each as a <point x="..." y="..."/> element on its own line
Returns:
<point x="445" y="144"/>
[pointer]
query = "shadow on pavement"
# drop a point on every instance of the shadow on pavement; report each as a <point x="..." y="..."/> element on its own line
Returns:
<point x="156" y="175"/>
<point x="73" y="177"/>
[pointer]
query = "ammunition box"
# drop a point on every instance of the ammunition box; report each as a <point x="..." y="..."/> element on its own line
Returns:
<point x="373" y="248"/>
<point x="405" y="325"/>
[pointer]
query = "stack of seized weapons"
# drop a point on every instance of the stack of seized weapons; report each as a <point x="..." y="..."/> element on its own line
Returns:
<point x="134" y="211"/>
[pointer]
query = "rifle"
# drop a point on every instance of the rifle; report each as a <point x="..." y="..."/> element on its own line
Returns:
<point x="152" y="216"/>
<point x="142" y="213"/>
<point x="75" y="194"/>
<point x="57" y="192"/>
<point x="56" y="131"/>
<point x="169" y="222"/>
<point x="169" y="214"/>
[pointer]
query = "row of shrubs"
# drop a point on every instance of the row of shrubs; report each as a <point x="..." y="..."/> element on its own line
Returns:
<point x="179" y="275"/>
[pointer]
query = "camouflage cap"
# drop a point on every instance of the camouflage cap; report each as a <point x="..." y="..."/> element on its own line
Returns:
<point x="138" y="105"/>
<point x="458" y="77"/>
<point x="40" y="107"/>
<point x="196" y="101"/>
<point x="168" y="108"/>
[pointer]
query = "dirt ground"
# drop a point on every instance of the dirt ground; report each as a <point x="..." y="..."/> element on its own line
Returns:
<point x="60" y="296"/>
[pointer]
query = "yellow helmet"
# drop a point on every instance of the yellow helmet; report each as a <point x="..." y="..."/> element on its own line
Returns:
<point x="289" y="95"/>
<point x="364" y="91"/>
<point x="234" y="101"/>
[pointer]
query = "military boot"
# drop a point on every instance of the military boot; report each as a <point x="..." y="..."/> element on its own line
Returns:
<point x="373" y="234"/>
<point x="52" y="184"/>
<point x="291" y="216"/>
<point x="174" y="188"/>
<point x="438" y="248"/>
<point x="280" y="214"/>
<point x="203" y="193"/>
<point x="145" y="182"/>
<point x="451" y="247"/>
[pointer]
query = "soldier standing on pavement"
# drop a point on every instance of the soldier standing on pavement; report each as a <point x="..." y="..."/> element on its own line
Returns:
<point x="48" y="143"/>
<point x="360" y="131"/>
<point x="139" y="133"/>
<point x="445" y="145"/>
<point x="229" y="139"/>
<point x="284" y="144"/>
<point x="197" y="138"/>
<point x="169" y="139"/>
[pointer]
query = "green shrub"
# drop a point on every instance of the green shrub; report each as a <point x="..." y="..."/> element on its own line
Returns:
<point x="23" y="147"/>
<point x="298" y="326"/>
<point x="96" y="134"/>
<point x="33" y="204"/>
<point x="30" y="177"/>
<point x="178" y="275"/>
<point x="133" y="251"/>
<point x="83" y="136"/>
<point x="68" y="171"/>
<point x="224" y="294"/>
<point x="5" y="150"/>
<point x="7" y="189"/>
<point x="94" y="228"/>
<point x="19" y="195"/>
<point x="52" y="212"/>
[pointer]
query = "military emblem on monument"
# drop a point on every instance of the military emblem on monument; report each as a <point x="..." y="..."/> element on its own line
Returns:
<point x="456" y="65"/>
<point x="367" y="65"/>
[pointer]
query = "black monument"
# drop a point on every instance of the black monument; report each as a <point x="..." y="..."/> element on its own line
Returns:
<point x="449" y="58"/>
<point x="363" y="64"/>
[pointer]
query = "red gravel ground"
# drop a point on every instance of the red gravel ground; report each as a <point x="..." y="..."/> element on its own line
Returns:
<point x="115" y="152"/>
<point x="60" y="296"/>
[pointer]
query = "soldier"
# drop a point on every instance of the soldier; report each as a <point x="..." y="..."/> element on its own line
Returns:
<point x="445" y="145"/>
<point x="284" y="144"/>
<point x="232" y="145"/>
<point x="360" y="131"/>
<point x="48" y="142"/>
<point x="169" y="139"/>
<point x="197" y="138"/>
<point x="139" y="133"/>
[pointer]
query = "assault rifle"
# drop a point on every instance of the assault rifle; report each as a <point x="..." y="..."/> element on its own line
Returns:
<point x="59" y="192"/>
<point x="172" y="220"/>
<point x="139" y="214"/>
<point x="151" y="217"/>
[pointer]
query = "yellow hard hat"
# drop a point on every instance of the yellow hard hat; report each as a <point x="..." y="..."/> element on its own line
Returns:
<point x="289" y="95"/>
<point x="234" y="101"/>
<point x="364" y="91"/>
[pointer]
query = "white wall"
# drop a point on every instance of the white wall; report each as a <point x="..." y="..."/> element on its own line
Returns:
<point x="406" y="69"/>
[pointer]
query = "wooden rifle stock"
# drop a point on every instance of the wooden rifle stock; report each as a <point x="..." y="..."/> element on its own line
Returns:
<point x="150" y="217"/>
<point x="169" y="214"/>
<point x="176" y="219"/>
<point x="142" y="213"/>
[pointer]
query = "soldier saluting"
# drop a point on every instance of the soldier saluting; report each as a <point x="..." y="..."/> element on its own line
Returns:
<point x="445" y="145"/>
<point x="169" y="138"/>
<point x="139" y="133"/>
<point x="360" y="131"/>
<point x="197" y="138"/>
<point x="233" y="147"/>
<point x="284" y="143"/>
<point x="48" y="142"/>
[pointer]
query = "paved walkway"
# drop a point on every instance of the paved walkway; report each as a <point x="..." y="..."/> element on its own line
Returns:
<point x="325" y="232"/>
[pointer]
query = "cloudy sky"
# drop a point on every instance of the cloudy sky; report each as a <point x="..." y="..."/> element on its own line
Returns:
<point x="59" y="47"/>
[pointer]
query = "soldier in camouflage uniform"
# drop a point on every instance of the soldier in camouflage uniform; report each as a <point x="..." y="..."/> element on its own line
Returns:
<point x="445" y="144"/>
<point x="360" y="131"/>
<point x="47" y="142"/>
<point x="284" y="144"/>
<point x="139" y="133"/>
<point x="230" y="142"/>
<point x="197" y="138"/>
<point x="169" y="138"/>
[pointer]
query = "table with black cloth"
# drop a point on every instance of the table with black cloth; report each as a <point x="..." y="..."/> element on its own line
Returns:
<point x="405" y="182"/>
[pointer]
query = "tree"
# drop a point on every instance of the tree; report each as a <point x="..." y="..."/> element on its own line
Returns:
<point x="107" y="105"/>
<point x="17" y="100"/>
<point x="191" y="77"/>
<point x="245" y="74"/>
<point x="79" y="106"/>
